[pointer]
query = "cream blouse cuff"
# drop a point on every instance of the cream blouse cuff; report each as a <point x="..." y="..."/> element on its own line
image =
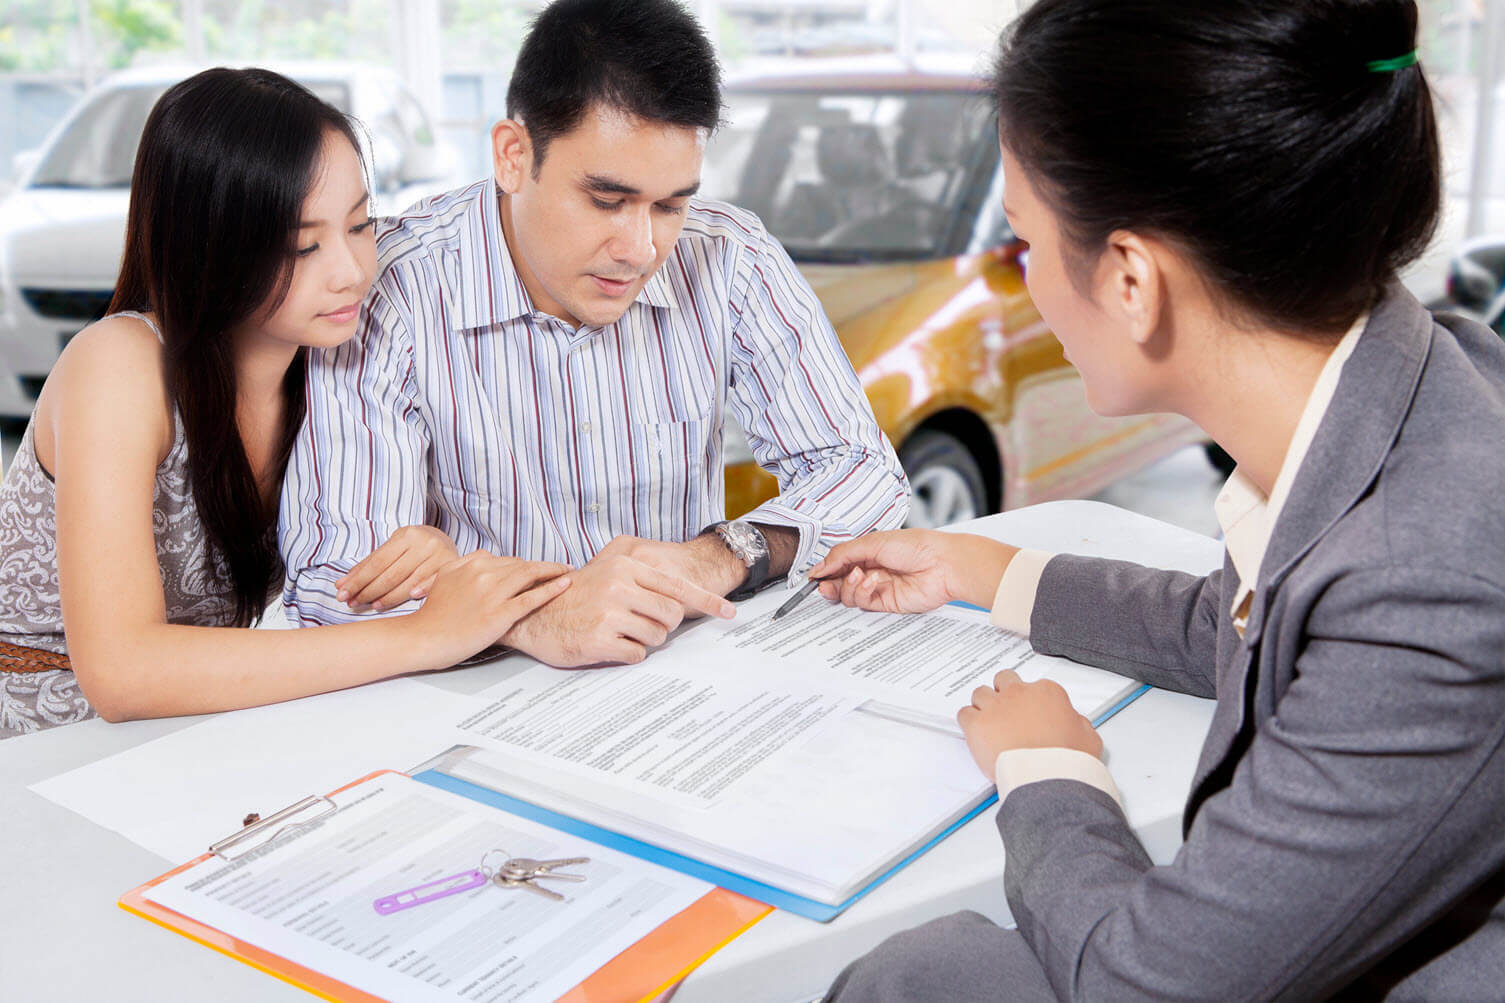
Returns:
<point x="1018" y="767"/>
<point x="1015" y="599"/>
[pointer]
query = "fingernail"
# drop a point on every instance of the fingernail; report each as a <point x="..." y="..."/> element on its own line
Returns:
<point x="728" y="610"/>
<point x="342" y="595"/>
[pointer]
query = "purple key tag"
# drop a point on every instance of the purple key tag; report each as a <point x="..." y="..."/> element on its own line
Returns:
<point x="423" y="894"/>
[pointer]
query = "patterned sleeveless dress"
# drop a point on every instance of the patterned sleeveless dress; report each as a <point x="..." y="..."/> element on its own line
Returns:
<point x="195" y="581"/>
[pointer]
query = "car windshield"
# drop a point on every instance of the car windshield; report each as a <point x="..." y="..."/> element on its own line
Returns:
<point x="98" y="148"/>
<point x="851" y="177"/>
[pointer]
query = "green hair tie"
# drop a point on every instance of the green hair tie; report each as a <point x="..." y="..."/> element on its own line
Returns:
<point x="1391" y="65"/>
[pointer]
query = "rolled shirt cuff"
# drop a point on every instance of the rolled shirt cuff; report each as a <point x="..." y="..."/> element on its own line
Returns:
<point x="1014" y="602"/>
<point x="1017" y="767"/>
<point x="812" y="545"/>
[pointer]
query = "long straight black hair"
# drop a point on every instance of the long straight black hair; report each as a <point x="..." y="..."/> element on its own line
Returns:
<point x="225" y="162"/>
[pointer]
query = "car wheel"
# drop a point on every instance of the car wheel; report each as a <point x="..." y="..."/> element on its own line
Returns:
<point x="1220" y="459"/>
<point x="945" y="480"/>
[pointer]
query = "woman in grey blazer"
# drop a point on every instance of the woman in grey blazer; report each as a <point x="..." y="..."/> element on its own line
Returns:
<point x="1218" y="197"/>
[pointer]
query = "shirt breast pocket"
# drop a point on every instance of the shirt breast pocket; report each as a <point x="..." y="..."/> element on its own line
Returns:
<point x="673" y="485"/>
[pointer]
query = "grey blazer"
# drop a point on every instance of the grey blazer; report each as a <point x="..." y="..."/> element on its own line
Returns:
<point x="1345" y="833"/>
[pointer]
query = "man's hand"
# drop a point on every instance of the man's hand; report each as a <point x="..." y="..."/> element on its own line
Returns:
<point x="1013" y="714"/>
<point x="616" y="608"/>
<point x="704" y="561"/>
<point x="403" y="568"/>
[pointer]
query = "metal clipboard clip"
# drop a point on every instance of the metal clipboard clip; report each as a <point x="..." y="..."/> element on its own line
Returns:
<point x="258" y="833"/>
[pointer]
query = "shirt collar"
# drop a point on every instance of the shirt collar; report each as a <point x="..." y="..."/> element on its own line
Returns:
<point x="1245" y="514"/>
<point x="658" y="291"/>
<point x="485" y="261"/>
<point x="490" y="290"/>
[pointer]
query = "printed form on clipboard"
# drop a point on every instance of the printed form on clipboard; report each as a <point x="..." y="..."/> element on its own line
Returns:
<point x="798" y="761"/>
<point x="300" y="896"/>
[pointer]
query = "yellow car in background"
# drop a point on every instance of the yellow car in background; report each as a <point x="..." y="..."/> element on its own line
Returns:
<point x="886" y="190"/>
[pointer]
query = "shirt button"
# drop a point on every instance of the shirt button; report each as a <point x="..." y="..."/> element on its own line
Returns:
<point x="585" y="428"/>
<point x="593" y="507"/>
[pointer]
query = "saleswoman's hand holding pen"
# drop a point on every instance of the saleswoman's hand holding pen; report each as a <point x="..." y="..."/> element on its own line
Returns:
<point x="913" y="570"/>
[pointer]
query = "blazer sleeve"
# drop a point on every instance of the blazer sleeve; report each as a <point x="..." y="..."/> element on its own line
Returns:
<point x="1160" y="627"/>
<point x="1366" y="808"/>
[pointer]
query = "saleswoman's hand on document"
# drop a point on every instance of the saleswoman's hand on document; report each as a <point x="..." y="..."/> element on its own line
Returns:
<point x="913" y="570"/>
<point x="1013" y="714"/>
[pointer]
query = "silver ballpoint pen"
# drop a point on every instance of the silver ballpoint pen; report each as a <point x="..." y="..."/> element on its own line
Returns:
<point x="800" y="596"/>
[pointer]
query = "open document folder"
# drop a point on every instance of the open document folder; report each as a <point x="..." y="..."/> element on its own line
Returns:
<point x="298" y="900"/>
<point x="798" y="761"/>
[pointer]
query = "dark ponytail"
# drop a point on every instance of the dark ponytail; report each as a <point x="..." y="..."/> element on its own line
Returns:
<point x="1252" y="134"/>
<point x="225" y="162"/>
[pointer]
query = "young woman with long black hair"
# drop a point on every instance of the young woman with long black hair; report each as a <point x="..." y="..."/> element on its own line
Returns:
<point x="138" y="519"/>
<point x="1218" y="195"/>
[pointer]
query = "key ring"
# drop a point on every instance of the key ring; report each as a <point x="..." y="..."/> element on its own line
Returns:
<point x="492" y="872"/>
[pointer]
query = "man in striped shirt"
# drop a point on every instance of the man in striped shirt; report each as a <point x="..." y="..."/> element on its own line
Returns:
<point x="543" y="368"/>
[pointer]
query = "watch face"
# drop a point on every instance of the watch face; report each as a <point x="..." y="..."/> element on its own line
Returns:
<point x="748" y="543"/>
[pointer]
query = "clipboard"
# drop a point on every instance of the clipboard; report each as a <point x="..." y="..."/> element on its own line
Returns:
<point x="643" y="971"/>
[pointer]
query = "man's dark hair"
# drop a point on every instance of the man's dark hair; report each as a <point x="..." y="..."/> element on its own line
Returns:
<point x="648" y="58"/>
<point x="1253" y="133"/>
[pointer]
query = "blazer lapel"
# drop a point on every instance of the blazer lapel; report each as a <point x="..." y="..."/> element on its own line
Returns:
<point x="1372" y="400"/>
<point x="1363" y="420"/>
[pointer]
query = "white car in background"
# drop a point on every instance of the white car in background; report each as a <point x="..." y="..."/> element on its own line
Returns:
<point x="63" y="227"/>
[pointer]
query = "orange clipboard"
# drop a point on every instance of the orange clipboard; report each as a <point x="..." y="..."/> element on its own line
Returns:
<point x="642" y="972"/>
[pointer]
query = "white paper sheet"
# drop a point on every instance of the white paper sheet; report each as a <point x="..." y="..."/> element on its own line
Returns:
<point x="177" y="794"/>
<point x="844" y="800"/>
<point x="927" y="665"/>
<point x="309" y="898"/>
<point x="683" y="737"/>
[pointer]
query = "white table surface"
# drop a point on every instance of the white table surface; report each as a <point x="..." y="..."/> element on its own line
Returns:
<point x="62" y="937"/>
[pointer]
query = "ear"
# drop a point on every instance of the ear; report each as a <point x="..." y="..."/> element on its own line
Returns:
<point x="511" y="154"/>
<point x="1130" y="281"/>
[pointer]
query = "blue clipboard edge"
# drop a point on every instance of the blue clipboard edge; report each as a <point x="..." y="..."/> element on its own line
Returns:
<point x="730" y="880"/>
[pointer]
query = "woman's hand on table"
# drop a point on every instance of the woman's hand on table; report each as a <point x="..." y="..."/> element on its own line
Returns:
<point x="478" y="598"/>
<point x="913" y="570"/>
<point x="1013" y="714"/>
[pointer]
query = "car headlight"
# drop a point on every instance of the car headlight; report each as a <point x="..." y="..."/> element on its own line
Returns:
<point x="734" y="445"/>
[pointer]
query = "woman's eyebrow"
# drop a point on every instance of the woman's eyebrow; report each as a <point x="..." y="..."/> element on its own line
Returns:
<point x="309" y="224"/>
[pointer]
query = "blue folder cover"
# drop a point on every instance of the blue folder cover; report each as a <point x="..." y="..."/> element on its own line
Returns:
<point x="730" y="880"/>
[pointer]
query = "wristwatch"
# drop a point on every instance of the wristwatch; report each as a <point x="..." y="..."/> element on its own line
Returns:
<point x="748" y="544"/>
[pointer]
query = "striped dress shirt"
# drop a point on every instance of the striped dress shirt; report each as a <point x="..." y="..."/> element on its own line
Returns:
<point x="459" y="405"/>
